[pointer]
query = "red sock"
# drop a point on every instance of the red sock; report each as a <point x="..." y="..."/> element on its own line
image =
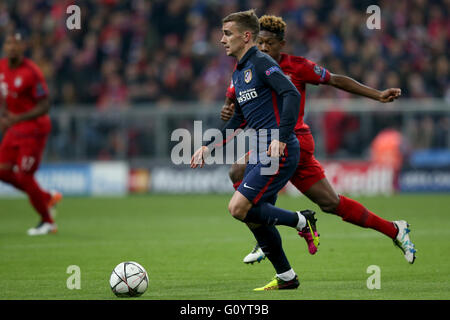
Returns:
<point x="38" y="197"/>
<point x="354" y="212"/>
<point x="236" y="185"/>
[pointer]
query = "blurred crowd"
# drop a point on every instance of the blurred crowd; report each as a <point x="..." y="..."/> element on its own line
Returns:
<point x="159" y="51"/>
<point x="133" y="53"/>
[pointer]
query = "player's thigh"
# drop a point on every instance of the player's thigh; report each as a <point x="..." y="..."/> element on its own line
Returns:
<point x="237" y="171"/>
<point x="8" y="155"/>
<point x="30" y="155"/>
<point x="258" y="187"/>
<point x="309" y="171"/>
<point x="309" y="177"/>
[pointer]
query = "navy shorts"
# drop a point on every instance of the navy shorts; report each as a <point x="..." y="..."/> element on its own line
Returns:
<point x="258" y="187"/>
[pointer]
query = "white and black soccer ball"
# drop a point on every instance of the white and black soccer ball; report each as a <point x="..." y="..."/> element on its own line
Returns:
<point x="128" y="279"/>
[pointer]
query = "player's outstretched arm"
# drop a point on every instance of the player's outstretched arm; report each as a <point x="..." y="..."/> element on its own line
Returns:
<point x="390" y="94"/>
<point x="351" y="85"/>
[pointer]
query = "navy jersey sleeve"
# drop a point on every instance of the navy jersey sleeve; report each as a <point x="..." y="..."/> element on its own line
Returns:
<point x="270" y="72"/>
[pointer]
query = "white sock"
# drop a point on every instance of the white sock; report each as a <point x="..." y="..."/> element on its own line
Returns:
<point x="301" y="221"/>
<point x="288" y="275"/>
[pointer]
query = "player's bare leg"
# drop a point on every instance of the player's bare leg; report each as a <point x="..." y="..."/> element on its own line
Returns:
<point x="239" y="206"/>
<point x="236" y="175"/>
<point x="237" y="170"/>
<point x="323" y="194"/>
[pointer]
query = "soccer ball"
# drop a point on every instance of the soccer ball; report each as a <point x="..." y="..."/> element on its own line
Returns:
<point x="128" y="279"/>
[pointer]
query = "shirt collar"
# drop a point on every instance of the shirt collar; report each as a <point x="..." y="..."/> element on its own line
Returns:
<point x="247" y="55"/>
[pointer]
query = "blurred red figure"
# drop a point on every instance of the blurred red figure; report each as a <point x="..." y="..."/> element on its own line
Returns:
<point x="333" y="130"/>
<point x="386" y="149"/>
<point x="309" y="178"/>
<point x="25" y="125"/>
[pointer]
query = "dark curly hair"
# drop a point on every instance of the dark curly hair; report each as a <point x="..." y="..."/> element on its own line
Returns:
<point x="273" y="24"/>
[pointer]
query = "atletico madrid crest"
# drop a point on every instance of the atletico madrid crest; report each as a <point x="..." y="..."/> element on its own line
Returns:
<point x="248" y="75"/>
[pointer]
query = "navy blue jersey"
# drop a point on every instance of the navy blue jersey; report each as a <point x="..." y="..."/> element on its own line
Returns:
<point x="266" y="98"/>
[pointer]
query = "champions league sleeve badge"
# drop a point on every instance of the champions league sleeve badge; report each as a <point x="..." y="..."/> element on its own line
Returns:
<point x="272" y="70"/>
<point x="317" y="70"/>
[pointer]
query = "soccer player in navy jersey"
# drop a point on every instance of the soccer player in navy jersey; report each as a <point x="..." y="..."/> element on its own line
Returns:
<point x="309" y="177"/>
<point x="268" y="101"/>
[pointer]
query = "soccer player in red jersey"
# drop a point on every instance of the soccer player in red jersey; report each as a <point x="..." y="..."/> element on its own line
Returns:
<point x="25" y="125"/>
<point x="309" y="177"/>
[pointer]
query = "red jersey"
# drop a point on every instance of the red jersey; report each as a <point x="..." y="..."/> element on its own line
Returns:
<point x="300" y="71"/>
<point x="21" y="89"/>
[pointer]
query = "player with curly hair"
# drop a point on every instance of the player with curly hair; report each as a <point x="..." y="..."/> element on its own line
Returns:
<point x="309" y="177"/>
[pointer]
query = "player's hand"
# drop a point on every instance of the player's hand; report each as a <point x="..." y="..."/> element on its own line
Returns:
<point x="390" y="95"/>
<point x="10" y="119"/>
<point x="276" y="149"/>
<point x="199" y="157"/>
<point x="227" y="111"/>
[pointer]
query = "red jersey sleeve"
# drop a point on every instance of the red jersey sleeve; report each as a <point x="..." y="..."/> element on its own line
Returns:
<point x="312" y="73"/>
<point x="231" y="92"/>
<point x="39" y="89"/>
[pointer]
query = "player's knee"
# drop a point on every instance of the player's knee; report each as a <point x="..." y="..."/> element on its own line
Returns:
<point x="329" y="204"/>
<point x="238" y="212"/>
<point x="236" y="173"/>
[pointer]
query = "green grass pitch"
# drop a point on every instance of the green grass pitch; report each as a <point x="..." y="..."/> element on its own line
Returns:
<point x="193" y="249"/>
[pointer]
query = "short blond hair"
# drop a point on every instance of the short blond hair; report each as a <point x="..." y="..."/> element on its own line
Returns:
<point x="245" y="21"/>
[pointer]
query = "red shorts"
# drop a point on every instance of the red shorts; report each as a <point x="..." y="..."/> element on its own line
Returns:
<point x="309" y="170"/>
<point x="24" y="151"/>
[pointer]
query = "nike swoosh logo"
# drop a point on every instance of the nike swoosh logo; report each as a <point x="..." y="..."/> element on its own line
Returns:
<point x="246" y="186"/>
